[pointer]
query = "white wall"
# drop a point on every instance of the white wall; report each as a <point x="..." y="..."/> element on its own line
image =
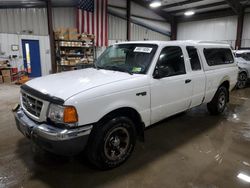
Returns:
<point x="6" y="40"/>
<point x="20" y="20"/>
<point x="118" y="31"/>
<point x="219" y="29"/>
<point x="246" y="31"/>
<point x="64" y="17"/>
<point x="23" y="19"/>
<point x="142" y="15"/>
<point x="141" y="33"/>
<point x="117" y="28"/>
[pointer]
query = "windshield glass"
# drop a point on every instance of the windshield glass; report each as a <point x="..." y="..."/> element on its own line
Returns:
<point x="245" y="56"/>
<point x="130" y="58"/>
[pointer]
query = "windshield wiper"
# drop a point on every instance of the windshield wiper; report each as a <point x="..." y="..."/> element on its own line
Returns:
<point x="115" y="68"/>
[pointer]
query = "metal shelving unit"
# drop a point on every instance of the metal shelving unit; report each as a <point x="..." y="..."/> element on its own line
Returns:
<point x="75" y="54"/>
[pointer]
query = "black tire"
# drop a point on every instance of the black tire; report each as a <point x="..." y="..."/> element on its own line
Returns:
<point x="112" y="143"/>
<point x="242" y="80"/>
<point x="219" y="102"/>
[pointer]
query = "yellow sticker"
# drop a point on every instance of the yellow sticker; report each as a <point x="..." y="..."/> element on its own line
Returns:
<point x="136" y="69"/>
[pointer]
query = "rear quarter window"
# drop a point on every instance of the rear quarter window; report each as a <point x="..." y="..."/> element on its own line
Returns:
<point x="218" y="56"/>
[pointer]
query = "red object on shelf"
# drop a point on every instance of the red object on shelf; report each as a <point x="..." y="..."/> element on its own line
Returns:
<point x="14" y="70"/>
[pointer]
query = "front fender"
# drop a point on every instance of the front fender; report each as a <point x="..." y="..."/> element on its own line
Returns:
<point x="91" y="110"/>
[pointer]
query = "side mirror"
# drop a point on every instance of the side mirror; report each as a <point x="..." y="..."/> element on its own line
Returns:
<point x="161" y="72"/>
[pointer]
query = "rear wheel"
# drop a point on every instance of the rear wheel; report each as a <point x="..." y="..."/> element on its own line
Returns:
<point x="111" y="144"/>
<point x="242" y="80"/>
<point x="218" y="103"/>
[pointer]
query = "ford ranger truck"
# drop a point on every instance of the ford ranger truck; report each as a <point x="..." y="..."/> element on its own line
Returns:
<point x="103" y="110"/>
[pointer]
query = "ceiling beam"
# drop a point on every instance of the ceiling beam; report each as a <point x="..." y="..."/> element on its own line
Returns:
<point x="199" y="7"/>
<point x="207" y="15"/>
<point x="235" y="5"/>
<point x="168" y="17"/>
<point x="179" y="3"/>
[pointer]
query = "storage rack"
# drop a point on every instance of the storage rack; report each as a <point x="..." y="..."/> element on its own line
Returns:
<point x="75" y="54"/>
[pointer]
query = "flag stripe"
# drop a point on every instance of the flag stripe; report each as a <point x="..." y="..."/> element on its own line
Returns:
<point x="93" y="23"/>
<point x="87" y="29"/>
<point x="97" y="23"/>
<point x="102" y="24"/>
<point x="92" y="19"/>
<point x="77" y="21"/>
<point x="106" y="23"/>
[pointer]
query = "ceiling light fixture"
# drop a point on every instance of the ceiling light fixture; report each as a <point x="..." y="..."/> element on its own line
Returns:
<point x="244" y="177"/>
<point x="155" y="4"/>
<point x="189" y="13"/>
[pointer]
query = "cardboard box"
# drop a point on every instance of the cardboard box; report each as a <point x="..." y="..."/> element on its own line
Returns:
<point x="3" y="64"/>
<point x="61" y="34"/>
<point x="73" y="34"/>
<point x="1" y="79"/>
<point x="6" y="73"/>
<point x="7" y="79"/>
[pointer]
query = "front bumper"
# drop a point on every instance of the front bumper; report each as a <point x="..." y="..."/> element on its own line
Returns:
<point x="60" y="141"/>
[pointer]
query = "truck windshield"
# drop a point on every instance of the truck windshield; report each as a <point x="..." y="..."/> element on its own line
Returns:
<point x="130" y="58"/>
<point x="245" y="56"/>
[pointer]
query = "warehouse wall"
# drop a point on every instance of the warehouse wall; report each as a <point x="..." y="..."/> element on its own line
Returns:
<point x="24" y="20"/>
<point x="118" y="31"/>
<point x="64" y="17"/>
<point x="219" y="29"/>
<point x="246" y="31"/>
<point x="31" y="23"/>
<point x="141" y="33"/>
<point x="34" y="19"/>
<point x="6" y="40"/>
<point x="142" y="17"/>
<point x="117" y="28"/>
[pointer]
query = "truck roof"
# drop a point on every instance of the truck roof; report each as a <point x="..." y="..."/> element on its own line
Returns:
<point x="180" y="42"/>
<point x="242" y="51"/>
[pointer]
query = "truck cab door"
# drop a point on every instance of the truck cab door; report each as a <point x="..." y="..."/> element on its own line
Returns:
<point x="171" y="86"/>
<point x="197" y="76"/>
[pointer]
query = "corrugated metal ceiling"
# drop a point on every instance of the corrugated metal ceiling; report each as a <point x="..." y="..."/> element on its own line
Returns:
<point x="36" y="3"/>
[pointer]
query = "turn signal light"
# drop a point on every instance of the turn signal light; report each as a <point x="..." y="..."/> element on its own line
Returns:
<point x="70" y="115"/>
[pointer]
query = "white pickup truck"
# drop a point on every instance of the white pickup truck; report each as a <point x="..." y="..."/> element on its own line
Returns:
<point x="243" y="60"/>
<point x="102" y="110"/>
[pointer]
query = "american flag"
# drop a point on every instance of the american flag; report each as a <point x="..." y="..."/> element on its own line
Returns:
<point x="92" y="19"/>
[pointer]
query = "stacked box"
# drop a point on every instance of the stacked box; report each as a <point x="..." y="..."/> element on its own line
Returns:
<point x="1" y="79"/>
<point x="6" y="74"/>
<point x="61" y="34"/>
<point x="73" y="34"/>
<point x="7" y="79"/>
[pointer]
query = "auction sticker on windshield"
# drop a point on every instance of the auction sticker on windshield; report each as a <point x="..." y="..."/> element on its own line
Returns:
<point x="143" y="49"/>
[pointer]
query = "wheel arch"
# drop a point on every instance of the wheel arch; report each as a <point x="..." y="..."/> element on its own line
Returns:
<point x="242" y="70"/>
<point x="129" y="112"/>
<point x="226" y="83"/>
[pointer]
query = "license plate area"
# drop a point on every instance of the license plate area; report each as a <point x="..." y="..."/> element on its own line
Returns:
<point x="23" y="129"/>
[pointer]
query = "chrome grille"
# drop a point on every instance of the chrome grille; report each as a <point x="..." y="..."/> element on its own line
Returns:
<point x="32" y="105"/>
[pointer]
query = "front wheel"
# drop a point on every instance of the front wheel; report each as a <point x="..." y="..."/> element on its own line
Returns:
<point x="219" y="102"/>
<point x="111" y="144"/>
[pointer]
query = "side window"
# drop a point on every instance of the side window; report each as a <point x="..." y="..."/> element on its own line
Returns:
<point x="171" y="62"/>
<point x="194" y="58"/>
<point x="218" y="56"/>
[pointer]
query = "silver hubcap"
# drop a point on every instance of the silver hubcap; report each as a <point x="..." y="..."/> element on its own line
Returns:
<point x="116" y="144"/>
<point x="222" y="101"/>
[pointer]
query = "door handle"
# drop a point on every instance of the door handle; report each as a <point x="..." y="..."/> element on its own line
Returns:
<point x="188" y="81"/>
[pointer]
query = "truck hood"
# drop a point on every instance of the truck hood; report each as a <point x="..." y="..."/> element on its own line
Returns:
<point x="66" y="84"/>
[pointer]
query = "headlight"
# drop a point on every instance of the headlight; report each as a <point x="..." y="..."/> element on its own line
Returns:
<point x="62" y="114"/>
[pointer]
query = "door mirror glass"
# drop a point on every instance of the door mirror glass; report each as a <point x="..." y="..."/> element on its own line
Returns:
<point x="161" y="71"/>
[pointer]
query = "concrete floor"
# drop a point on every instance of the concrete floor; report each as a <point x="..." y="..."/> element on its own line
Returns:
<point x="190" y="150"/>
